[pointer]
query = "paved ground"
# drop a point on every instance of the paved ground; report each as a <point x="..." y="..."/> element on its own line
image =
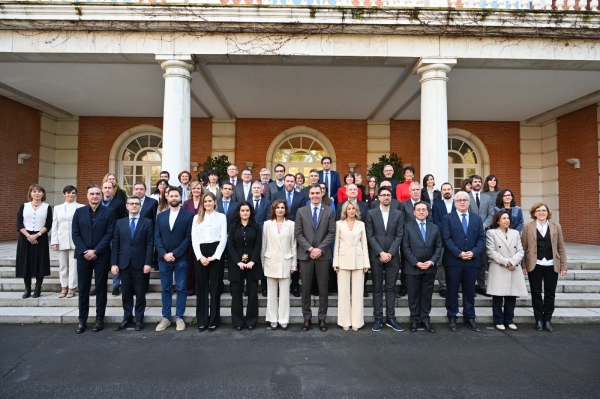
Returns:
<point x="41" y="361"/>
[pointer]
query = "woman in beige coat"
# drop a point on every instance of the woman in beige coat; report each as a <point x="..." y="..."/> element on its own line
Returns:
<point x="545" y="258"/>
<point x="505" y="279"/>
<point x="350" y="261"/>
<point x="279" y="261"/>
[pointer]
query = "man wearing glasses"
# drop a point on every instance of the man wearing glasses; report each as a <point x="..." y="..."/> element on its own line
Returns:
<point x="278" y="184"/>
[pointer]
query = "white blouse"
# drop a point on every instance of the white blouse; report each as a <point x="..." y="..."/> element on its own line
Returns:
<point x="35" y="220"/>
<point x="212" y="229"/>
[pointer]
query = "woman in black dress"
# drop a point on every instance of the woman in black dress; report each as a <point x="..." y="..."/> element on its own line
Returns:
<point x="34" y="220"/>
<point x="244" y="244"/>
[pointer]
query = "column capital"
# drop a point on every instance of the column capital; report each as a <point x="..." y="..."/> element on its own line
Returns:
<point x="428" y="64"/>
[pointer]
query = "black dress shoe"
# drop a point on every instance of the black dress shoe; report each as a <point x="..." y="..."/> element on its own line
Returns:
<point x="403" y="291"/>
<point x="116" y="291"/>
<point x="211" y="329"/>
<point x="81" y="327"/>
<point x="306" y="325"/>
<point x="413" y="326"/>
<point x="538" y="325"/>
<point x="482" y="291"/>
<point x="98" y="326"/>
<point x="93" y="292"/>
<point x="37" y="292"/>
<point x="472" y="325"/>
<point x="452" y="324"/>
<point x="245" y="294"/>
<point x="250" y="328"/>
<point x="238" y="328"/>
<point x="428" y="327"/>
<point x="264" y="293"/>
<point x="296" y="292"/>
<point x="123" y="325"/>
<point x="442" y="292"/>
<point x="365" y="294"/>
<point x="27" y="293"/>
<point x="139" y="326"/>
<point x="322" y="325"/>
<point x="548" y="326"/>
<point x="201" y="328"/>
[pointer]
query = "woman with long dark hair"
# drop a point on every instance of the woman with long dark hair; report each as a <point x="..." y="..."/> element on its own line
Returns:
<point x="491" y="187"/>
<point x="160" y="196"/>
<point x="506" y="201"/>
<point x="429" y="193"/>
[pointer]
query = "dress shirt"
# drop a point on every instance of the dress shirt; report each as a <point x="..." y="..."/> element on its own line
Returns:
<point x="233" y="182"/>
<point x="448" y="205"/>
<point x="414" y="202"/>
<point x="142" y="201"/>
<point x="173" y="217"/>
<point x="543" y="229"/>
<point x="312" y="209"/>
<point x="254" y="204"/>
<point x="385" y="214"/>
<point x="279" y="183"/>
<point x="212" y="190"/>
<point x="477" y="195"/>
<point x="430" y="194"/>
<point x="459" y="213"/>
<point x="247" y="188"/>
<point x="327" y="179"/>
<point x="212" y="229"/>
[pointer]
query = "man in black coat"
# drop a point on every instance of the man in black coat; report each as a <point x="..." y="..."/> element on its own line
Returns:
<point x="149" y="205"/>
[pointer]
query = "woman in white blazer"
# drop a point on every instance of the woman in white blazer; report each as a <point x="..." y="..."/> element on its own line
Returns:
<point x="350" y="261"/>
<point x="62" y="241"/>
<point x="505" y="278"/>
<point x="279" y="261"/>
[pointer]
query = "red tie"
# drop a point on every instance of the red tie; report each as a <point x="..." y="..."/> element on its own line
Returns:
<point x="264" y="188"/>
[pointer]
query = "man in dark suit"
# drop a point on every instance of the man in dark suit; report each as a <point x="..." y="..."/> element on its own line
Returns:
<point x="119" y="207"/>
<point x="315" y="231"/>
<point x="384" y="227"/>
<point x="92" y="230"/>
<point x="232" y="172"/>
<point x="482" y="205"/>
<point x="276" y="185"/>
<point x="421" y="251"/>
<point x="261" y="205"/>
<point x="388" y="173"/>
<point x="394" y="203"/>
<point x="464" y="241"/>
<point x="132" y="250"/>
<point x="149" y="205"/>
<point x="172" y="236"/>
<point x="331" y="178"/>
<point x="243" y="191"/>
<point x="352" y="192"/>
<point x="226" y="204"/>
<point x="441" y="208"/>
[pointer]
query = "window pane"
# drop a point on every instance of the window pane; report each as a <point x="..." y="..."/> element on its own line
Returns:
<point x="301" y="156"/>
<point x="316" y="146"/>
<point x="155" y="176"/>
<point x="456" y="144"/>
<point x="134" y="147"/>
<point x="148" y="155"/>
<point x="296" y="142"/>
<point x="454" y="158"/>
<point x="470" y="157"/>
<point x="155" y="142"/>
<point x="459" y="173"/>
<point x="128" y="155"/>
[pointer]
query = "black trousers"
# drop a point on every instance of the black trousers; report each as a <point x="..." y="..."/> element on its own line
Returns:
<point x="507" y="315"/>
<point x="389" y="272"/>
<point x="134" y="282"/>
<point x="420" y="291"/>
<point x="99" y="267"/>
<point x="295" y="279"/>
<point x="209" y="280"/>
<point x="237" y="300"/>
<point x="320" y="268"/>
<point x="543" y="309"/>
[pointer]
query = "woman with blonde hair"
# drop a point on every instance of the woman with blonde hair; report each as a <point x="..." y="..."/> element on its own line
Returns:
<point x="350" y="261"/>
<point x="118" y="193"/>
<point x="192" y="205"/>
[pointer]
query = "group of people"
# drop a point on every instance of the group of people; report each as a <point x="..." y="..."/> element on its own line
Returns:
<point x="278" y="232"/>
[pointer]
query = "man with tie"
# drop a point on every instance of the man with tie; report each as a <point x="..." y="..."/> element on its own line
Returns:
<point x="243" y="191"/>
<point x="385" y="227"/>
<point x="315" y="231"/>
<point x="226" y="204"/>
<point x="331" y="178"/>
<point x="441" y="208"/>
<point x="149" y="205"/>
<point x="172" y="237"/>
<point x="464" y="241"/>
<point x="232" y="172"/>
<point x="421" y="251"/>
<point x="276" y="185"/>
<point x="482" y="205"/>
<point x="92" y="230"/>
<point x="352" y="192"/>
<point x="262" y="209"/>
<point x="265" y="179"/>
<point x="132" y="249"/>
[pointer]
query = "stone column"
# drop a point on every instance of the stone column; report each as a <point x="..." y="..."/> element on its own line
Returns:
<point x="378" y="141"/>
<point x="434" y="117"/>
<point x="176" y="115"/>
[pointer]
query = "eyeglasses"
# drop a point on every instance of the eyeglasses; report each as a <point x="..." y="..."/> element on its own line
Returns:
<point x="95" y="194"/>
<point x="461" y="200"/>
<point x="134" y="203"/>
<point x="385" y="195"/>
<point x="507" y="195"/>
<point x="541" y="211"/>
<point x="279" y="171"/>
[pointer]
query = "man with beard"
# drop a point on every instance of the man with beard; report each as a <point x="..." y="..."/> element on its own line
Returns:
<point x="483" y="206"/>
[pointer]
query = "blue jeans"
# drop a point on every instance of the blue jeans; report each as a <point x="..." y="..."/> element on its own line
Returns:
<point x="116" y="280"/>
<point x="166" y="281"/>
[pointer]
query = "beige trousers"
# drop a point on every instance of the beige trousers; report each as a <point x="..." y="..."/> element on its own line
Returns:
<point x="67" y="268"/>
<point x="278" y="311"/>
<point x="350" y="312"/>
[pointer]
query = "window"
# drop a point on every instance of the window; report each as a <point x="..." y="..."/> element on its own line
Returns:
<point x="141" y="160"/>
<point x="463" y="161"/>
<point x="300" y="153"/>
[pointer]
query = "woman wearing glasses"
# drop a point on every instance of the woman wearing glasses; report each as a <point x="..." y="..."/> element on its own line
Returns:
<point x="506" y="201"/>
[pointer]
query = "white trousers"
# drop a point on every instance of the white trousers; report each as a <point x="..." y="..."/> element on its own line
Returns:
<point x="350" y="311"/>
<point x="278" y="310"/>
<point x="67" y="268"/>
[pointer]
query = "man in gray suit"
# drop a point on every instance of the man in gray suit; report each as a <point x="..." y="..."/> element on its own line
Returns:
<point x="315" y="231"/>
<point x="243" y="192"/>
<point x="421" y="251"/>
<point x="385" y="227"/>
<point x="276" y="185"/>
<point x="483" y="206"/>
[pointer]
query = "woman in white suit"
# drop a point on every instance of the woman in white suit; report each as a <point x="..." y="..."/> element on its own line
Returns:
<point x="62" y="242"/>
<point x="350" y="261"/>
<point x="279" y="261"/>
<point x="505" y="278"/>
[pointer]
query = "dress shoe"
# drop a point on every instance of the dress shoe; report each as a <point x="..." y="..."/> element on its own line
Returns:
<point x="442" y="292"/>
<point x="70" y="293"/>
<point x="264" y="293"/>
<point x="365" y="294"/>
<point x="211" y="329"/>
<point x="116" y="292"/>
<point x="37" y="292"/>
<point x="346" y="328"/>
<point x="123" y="325"/>
<point x="428" y="327"/>
<point x="98" y="326"/>
<point x="296" y="293"/>
<point x="284" y="326"/>
<point x="245" y="294"/>
<point x="354" y="328"/>
<point x="482" y="291"/>
<point x="512" y="327"/>
<point x="538" y="325"/>
<point x="139" y="326"/>
<point x="500" y="327"/>
<point x="393" y="324"/>
<point x="250" y="328"/>
<point x="472" y="325"/>
<point x="201" y="328"/>
<point x="322" y="325"/>
<point x="306" y="325"/>
<point x="239" y="328"/>
<point x="377" y="325"/>
<point x="452" y="324"/>
<point x="413" y="326"/>
<point x="81" y="327"/>
<point x="273" y="326"/>
<point x="27" y="293"/>
<point x="548" y="326"/>
<point x="93" y="292"/>
<point x="63" y="292"/>
<point x="403" y="291"/>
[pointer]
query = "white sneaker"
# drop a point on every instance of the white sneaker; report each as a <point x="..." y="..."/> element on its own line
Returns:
<point x="500" y="327"/>
<point x="180" y="324"/>
<point x="512" y="326"/>
<point x="164" y="323"/>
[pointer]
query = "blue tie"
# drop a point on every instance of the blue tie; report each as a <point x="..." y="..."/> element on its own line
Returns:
<point x="132" y="227"/>
<point x="225" y="206"/>
<point x="315" y="217"/>
<point x="327" y="183"/>
<point x="289" y="199"/>
<point x="423" y="231"/>
<point x="464" y="223"/>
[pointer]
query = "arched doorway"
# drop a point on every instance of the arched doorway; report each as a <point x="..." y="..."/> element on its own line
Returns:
<point x="466" y="156"/>
<point x="140" y="161"/>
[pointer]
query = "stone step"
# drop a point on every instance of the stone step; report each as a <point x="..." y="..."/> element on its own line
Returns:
<point x="523" y="316"/>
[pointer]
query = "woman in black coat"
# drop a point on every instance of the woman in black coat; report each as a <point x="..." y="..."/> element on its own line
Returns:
<point x="428" y="193"/>
<point x="244" y="244"/>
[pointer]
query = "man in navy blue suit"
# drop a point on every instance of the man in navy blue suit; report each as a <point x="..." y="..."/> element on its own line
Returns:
<point x="92" y="230"/>
<point x="172" y="237"/>
<point x="441" y="208"/>
<point x="149" y="205"/>
<point x="132" y="250"/>
<point x="262" y="207"/>
<point x="294" y="199"/>
<point x="331" y="178"/>
<point x="464" y="240"/>
<point x="226" y="204"/>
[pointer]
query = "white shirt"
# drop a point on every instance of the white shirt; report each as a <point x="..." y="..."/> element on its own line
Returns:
<point x="312" y="209"/>
<point x="385" y="215"/>
<point x="247" y="188"/>
<point x="254" y="204"/>
<point x="543" y="229"/>
<point x="461" y="218"/>
<point x="212" y="229"/>
<point x="448" y="205"/>
<point x="35" y="220"/>
<point x="172" y="217"/>
<point x="279" y="183"/>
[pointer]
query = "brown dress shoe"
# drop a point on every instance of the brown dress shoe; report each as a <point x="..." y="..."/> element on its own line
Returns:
<point x="306" y="325"/>
<point x="322" y="325"/>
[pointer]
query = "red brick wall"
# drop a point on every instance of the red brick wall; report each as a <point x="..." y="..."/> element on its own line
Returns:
<point x="405" y="141"/>
<point x="578" y="188"/>
<point x="20" y="132"/>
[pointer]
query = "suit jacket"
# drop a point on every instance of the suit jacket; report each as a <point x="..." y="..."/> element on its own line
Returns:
<point x="188" y="205"/>
<point x="96" y="237"/>
<point x="119" y="208"/>
<point x="335" y="183"/>
<point x="273" y="189"/>
<point x="415" y="249"/>
<point x="395" y="204"/>
<point x="137" y="251"/>
<point x="367" y="199"/>
<point x="439" y="210"/>
<point x="456" y="242"/>
<point x="437" y="196"/>
<point x="62" y="226"/>
<point x="229" y="215"/>
<point x="409" y="212"/>
<point x="529" y="240"/>
<point x="278" y="249"/>
<point x="177" y="240"/>
<point x="298" y="201"/>
<point x="206" y="190"/>
<point x="351" y="251"/>
<point x="235" y="250"/>
<point x="321" y="237"/>
<point x="500" y="251"/>
<point x="362" y="208"/>
<point x="149" y="209"/>
<point x="485" y="210"/>
<point x="382" y="239"/>
<point x="238" y="192"/>
<point x="516" y="217"/>
<point x="263" y="212"/>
